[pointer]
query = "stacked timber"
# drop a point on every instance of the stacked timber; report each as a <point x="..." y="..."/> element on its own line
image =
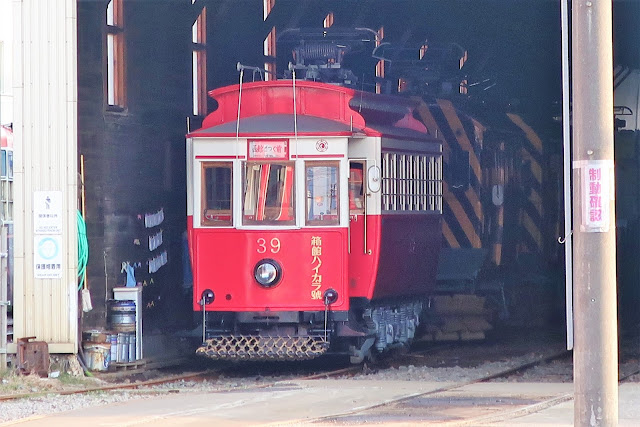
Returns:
<point x="458" y="317"/>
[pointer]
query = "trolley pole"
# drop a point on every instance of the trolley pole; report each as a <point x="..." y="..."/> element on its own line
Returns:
<point x="594" y="267"/>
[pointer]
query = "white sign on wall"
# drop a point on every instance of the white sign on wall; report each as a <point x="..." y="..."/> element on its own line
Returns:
<point x="47" y="212"/>
<point x="47" y="260"/>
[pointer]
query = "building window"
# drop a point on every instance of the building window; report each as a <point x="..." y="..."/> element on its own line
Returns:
<point x="464" y="82"/>
<point x="411" y="182"/>
<point x="328" y="20"/>
<point x="116" y="94"/>
<point x="199" y="63"/>
<point x="423" y="49"/>
<point x="267" y="8"/>
<point x="380" y="64"/>
<point x="269" y="43"/>
<point x="270" y="55"/>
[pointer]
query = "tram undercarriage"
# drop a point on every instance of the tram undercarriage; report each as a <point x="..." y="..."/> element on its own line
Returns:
<point x="305" y="335"/>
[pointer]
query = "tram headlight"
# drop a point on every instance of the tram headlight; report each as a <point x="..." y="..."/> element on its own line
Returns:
<point x="207" y="297"/>
<point x="267" y="273"/>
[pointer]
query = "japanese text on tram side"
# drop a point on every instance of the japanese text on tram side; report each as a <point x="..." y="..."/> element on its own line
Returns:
<point x="316" y="262"/>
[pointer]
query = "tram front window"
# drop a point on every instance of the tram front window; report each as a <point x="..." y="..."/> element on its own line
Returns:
<point x="268" y="194"/>
<point x="216" y="194"/>
<point x="322" y="191"/>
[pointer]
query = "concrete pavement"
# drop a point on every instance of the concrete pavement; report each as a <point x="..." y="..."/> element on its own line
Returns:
<point x="350" y="402"/>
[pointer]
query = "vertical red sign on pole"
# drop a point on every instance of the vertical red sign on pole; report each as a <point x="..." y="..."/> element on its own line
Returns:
<point x="597" y="194"/>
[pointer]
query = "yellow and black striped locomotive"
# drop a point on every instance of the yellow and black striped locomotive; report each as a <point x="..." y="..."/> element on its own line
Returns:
<point x="498" y="229"/>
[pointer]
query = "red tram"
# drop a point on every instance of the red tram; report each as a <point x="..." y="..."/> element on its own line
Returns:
<point x="314" y="220"/>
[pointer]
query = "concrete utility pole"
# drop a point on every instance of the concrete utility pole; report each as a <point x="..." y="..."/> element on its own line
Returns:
<point x="594" y="267"/>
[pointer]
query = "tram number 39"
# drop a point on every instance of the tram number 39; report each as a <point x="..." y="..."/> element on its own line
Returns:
<point x="274" y="245"/>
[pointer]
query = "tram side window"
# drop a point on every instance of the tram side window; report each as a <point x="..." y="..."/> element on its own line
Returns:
<point x="356" y="188"/>
<point x="216" y="194"/>
<point x="269" y="194"/>
<point x="322" y="190"/>
<point x="411" y="182"/>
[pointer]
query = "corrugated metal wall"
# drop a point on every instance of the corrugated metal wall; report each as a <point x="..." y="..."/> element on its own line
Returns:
<point x="45" y="137"/>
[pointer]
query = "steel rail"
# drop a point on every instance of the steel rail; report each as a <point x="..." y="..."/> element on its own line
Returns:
<point x="170" y="379"/>
<point x="524" y="411"/>
<point x="109" y="387"/>
<point x="439" y="390"/>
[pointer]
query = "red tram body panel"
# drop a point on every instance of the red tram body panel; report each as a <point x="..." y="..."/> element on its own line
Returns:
<point x="237" y="252"/>
<point x="408" y="256"/>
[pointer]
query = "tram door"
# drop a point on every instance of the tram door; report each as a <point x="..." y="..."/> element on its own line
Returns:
<point x="357" y="204"/>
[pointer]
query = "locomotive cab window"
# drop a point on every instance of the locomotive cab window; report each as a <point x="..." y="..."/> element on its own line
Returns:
<point x="216" y="194"/>
<point x="268" y="194"/>
<point x="322" y="191"/>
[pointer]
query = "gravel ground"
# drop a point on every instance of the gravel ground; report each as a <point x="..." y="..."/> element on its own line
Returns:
<point x="48" y="401"/>
<point x="49" y="404"/>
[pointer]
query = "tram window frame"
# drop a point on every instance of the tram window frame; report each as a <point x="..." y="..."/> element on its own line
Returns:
<point x="357" y="194"/>
<point x="332" y="219"/>
<point x="411" y="182"/>
<point x="274" y="213"/>
<point x="216" y="216"/>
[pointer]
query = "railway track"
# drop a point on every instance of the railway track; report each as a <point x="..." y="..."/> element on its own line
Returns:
<point x="523" y="411"/>
<point x="447" y="392"/>
<point x="418" y="358"/>
<point x="208" y="374"/>
<point x="542" y="404"/>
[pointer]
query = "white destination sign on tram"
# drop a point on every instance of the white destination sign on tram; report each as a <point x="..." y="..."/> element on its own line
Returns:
<point x="47" y="212"/>
<point x="269" y="149"/>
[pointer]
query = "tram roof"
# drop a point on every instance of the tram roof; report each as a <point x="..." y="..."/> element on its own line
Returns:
<point x="278" y="125"/>
<point x="283" y="125"/>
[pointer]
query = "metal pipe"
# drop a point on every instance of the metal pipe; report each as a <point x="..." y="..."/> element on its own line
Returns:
<point x="594" y="268"/>
<point x="204" y="320"/>
<point x="566" y="142"/>
<point x="365" y="193"/>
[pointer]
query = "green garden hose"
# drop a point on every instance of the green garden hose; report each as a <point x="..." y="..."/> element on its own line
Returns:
<point x="83" y="249"/>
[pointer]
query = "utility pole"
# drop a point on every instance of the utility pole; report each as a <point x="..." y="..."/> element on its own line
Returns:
<point x="594" y="267"/>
